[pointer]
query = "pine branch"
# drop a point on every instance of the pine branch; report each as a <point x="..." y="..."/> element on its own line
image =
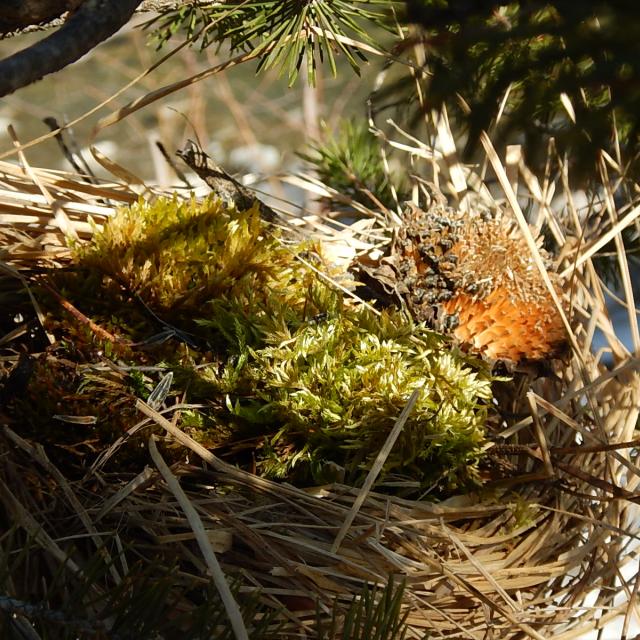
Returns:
<point x="286" y="33"/>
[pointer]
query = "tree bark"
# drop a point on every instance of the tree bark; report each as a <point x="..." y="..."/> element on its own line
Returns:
<point x="92" y="22"/>
<point x="14" y="20"/>
<point x="18" y="14"/>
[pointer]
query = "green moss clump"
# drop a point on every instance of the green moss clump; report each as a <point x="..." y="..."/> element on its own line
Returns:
<point x="191" y="260"/>
<point x="58" y="392"/>
<point x="295" y="379"/>
<point x="182" y="254"/>
<point x="333" y="389"/>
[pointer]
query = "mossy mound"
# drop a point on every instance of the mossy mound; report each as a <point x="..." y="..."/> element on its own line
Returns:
<point x="291" y="377"/>
<point x="189" y="260"/>
<point x="333" y="389"/>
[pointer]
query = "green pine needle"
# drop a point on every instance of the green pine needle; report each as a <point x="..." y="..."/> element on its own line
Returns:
<point x="282" y="32"/>
<point x="350" y="162"/>
<point x="375" y="614"/>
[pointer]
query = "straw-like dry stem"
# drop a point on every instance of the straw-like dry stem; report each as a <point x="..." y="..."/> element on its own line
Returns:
<point x="539" y="551"/>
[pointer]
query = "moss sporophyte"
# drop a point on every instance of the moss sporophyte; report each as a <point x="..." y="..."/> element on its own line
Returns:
<point x="292" y="377"/>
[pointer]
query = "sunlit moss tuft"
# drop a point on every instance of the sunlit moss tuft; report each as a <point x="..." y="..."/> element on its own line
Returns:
<point x="199" y="260"/>
<point x="302" y="384"/>
<point x="332" y="390"/>
<point x="184" y="253"/>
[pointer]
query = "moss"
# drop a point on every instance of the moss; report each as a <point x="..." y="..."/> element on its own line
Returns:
<point x="331" y="391"/>
<point x="182" y="254"/>
<point x="70" y="409"/>
<point x="190" y="260"/>
<point x="293" y="379"/>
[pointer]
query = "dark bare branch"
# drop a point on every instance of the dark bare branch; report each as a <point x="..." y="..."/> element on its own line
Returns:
<point x="18" y="14"/>
<point x="14" y="20"/>
<point x="93" y="22"/>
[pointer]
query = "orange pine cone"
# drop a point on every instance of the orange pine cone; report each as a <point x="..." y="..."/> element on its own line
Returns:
<point x="501" y="329"/>
<point x="475" y="274"/>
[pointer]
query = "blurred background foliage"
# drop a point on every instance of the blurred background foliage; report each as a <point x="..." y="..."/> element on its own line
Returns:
<point x="528" y="72"/>
<point x="525" y="71"/>
<point x="569" y="70"/>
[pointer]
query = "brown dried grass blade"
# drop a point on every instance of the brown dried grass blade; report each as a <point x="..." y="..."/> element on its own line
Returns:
<point x="195" y="522"/>
<point x="376" y="467"/>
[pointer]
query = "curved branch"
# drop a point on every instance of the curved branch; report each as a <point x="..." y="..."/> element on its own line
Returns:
<point x="18" y="14"/>
<point x="93" y="22"/>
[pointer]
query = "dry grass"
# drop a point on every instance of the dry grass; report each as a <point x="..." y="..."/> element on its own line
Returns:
<point x="538" y="554"/>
